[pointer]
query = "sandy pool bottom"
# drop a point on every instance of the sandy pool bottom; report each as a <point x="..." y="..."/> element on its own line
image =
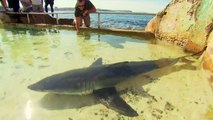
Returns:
<point x="179" y="92"/>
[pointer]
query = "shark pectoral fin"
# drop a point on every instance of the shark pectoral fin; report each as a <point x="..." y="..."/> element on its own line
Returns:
<point x="110" y="98"/>
<point x="98" y="62"/>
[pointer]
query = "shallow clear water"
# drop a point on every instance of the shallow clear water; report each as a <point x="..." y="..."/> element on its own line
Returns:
<point x="28" y="55"/>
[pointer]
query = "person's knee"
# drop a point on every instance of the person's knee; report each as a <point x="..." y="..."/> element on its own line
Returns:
<point x="87" y="21"/>
<point x="87" y="25"/>
<point x="77" y="22"/>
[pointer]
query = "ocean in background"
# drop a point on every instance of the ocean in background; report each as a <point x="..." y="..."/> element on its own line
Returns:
<point x="117" y="21"/>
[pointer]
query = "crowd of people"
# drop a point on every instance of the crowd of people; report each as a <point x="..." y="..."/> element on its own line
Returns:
<point x="82" y="9"/>
<point x="28" y="5"/>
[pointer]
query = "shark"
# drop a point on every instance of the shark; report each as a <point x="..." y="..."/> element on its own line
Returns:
<point x="100" y="80"/>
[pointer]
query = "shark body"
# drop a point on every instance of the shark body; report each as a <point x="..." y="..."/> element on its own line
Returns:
<point x="100" y="80"/>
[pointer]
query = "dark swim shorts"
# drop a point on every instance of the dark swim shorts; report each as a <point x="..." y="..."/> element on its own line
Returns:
<point x="49" y="1"/>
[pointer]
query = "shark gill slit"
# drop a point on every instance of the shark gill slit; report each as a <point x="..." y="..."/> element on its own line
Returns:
<point x="88" y="86"/>
<point x="85" y="88"/>
<point x="91" y="86"/>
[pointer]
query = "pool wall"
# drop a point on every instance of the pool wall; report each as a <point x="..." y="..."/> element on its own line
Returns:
<point x="134" y="33"/>
<point x="34" y="19"/>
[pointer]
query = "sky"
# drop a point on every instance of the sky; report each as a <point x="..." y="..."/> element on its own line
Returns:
<point x="151" y="6"/>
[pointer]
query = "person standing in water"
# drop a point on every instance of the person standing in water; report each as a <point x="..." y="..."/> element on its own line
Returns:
<point x="82" y="10"/>
<point x="51" y="3"/>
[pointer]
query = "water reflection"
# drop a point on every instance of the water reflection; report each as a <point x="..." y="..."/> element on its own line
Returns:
<point x="1" y="52"/>
<point x="86" y="35"/>
<point x="116" y="42"/>
<point x="86" y="46"/>
<point x="28" y="46"/>
<point x="60" y="102"/>
<point x="28" y="110"/>
<point x="121" y="39"/>
<point x="88" y="42"/>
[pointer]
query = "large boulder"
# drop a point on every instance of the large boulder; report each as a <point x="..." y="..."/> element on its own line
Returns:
<point x="183" y="23"/>
<point x="189" y="24"/>
<point x="207" y="59"/>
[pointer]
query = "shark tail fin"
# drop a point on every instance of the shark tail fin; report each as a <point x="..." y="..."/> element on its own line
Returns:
<point x="172" y="61"/>
<point x="184" y="58"/>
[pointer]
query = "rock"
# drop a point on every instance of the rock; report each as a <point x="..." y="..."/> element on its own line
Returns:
<point x="188" y="24"/>
<point x="207" y="59"/>
<point x="168" y="107"/>
<point x="185" y="28"/>
<point x="152" y="25"/>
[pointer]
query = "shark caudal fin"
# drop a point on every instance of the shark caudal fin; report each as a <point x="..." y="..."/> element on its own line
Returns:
<point x="184" y="58"/>
<point x="110" y="98"/>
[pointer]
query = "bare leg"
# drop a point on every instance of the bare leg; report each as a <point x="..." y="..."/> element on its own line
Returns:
<point x="4" y="4"/>
<point x="52" y="10"/>
<point x="46" y="7"/>
<point x="87" y="21"/>
<point x="78" y="23"/>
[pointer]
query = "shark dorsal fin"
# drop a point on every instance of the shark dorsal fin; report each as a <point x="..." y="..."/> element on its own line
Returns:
<point x="98" y="62"/>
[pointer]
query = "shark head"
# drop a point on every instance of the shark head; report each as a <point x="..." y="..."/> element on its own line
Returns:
<point x="40" y="87"/>
<point x="64" y="83"/>
<point x="70" y="82"/>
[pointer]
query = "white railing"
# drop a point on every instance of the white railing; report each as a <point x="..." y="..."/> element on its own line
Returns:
<point x="72" y="12"/>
